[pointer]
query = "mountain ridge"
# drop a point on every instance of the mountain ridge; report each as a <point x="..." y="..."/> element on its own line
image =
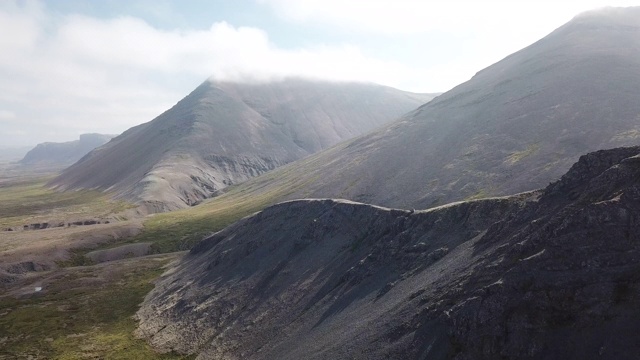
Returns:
<point x="225" y="133"/>
<point x="515" y="126"/>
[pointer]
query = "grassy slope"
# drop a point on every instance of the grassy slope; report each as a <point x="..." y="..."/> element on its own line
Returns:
<point x="83" y="313"/>
<point x="31" y="202"/>
<point x="180" y="230"/>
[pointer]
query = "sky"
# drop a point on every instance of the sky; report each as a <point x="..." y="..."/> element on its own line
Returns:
<point x="69" y="67"/>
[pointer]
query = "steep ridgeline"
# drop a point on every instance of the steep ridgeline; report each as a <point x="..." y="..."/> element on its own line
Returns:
<point x="225" y="133"/>
<point x="515" y="126"/>
<point x="547" y="274"/>
<point x="66" y="153"/>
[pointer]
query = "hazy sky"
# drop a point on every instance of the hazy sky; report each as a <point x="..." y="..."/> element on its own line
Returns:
<point x="74" y="66"/>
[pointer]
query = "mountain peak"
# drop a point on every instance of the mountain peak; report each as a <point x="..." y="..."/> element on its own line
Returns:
<point x="517" y="125"/>
<point x="224" y="133"/>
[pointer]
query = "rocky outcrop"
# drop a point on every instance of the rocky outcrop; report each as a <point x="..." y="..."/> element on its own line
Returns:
<point x="59" y="224"/>
<point x="547" y="274"/>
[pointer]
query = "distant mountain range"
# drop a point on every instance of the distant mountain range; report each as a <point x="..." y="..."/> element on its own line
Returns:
<point x="225" y="133"/>
<point x="65" y="153"/>
<point x="515" y="126"/>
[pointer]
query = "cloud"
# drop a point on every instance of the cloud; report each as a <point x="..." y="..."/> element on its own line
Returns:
<point x="68" y="74"/>
<point x="65" y="74"/>
<point x="6" y="115"/>
<point x="414" y="17"/>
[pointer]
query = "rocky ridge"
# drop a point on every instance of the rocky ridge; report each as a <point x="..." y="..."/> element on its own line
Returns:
<point x="546" y="274"/>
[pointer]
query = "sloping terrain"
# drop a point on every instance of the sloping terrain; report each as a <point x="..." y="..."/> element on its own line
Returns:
<point x="226" y="133"/>
<point x="546" y="274"/>
<point x="65" y="153"/>
<point x="515" y="126"/>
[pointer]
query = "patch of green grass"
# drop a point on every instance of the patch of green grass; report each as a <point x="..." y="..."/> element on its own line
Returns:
<point x="32" y="201"/>
<point x="519" y="155"/>
<point x="180" y="230"/>
<point x="81" y="321"/>
<point x="481" y="194"/>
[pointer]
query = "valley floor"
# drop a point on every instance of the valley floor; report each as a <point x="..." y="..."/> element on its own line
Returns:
<point x="51" y="308"/>
<point x="75" y="266"/>
<point x="82" y="312"/>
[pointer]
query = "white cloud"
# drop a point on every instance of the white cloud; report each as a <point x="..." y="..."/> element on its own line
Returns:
<point x="480" y="33"/>
<point x="7" y="115"/>
<point x="70" y="74"/>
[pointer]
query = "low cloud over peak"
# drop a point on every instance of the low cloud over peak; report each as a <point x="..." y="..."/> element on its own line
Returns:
<point x="66" y="72"/>
<point x="89" y="74"/>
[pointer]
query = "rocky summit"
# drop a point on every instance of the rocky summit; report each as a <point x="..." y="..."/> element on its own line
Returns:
<point x="225" y="133"/>
<point x="547" y="274"/>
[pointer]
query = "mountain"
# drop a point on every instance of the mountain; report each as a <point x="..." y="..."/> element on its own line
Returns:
<point x="547" y="274"/>
<point x="224" y="133"/>
<point x="65" y="153"/>
<point x="515" y="126"/>
<point x="11" y="154"/>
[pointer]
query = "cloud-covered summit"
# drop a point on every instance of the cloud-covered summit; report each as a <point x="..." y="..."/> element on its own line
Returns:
<point x="72" y="67"/>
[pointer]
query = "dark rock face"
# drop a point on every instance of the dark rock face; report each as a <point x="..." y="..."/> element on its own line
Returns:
<point x="226" y="133"/>
<point x="567" y="283"/>
<point x="515" y="126"/>
<point x="551" y="274"/>
<point x="64" y="153"/>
